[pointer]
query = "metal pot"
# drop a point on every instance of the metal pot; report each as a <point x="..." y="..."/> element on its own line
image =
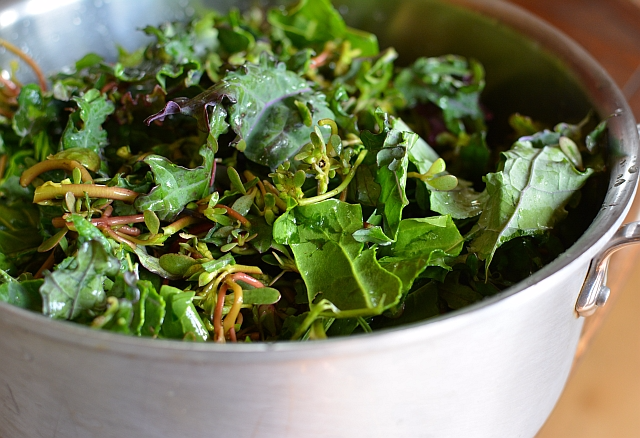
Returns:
<point x="493" y="369"/>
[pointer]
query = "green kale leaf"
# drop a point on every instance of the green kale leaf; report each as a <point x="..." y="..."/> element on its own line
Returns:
<point x="34" y="116"/>
<point x="527" y="197"/>
<point x="18" y="228"/>
<point x="94" y="110"/>
<point x="320" y="236"/>
<point x="452" y="83"/>
<point x="176" y="185"/>
<point x="420" y="243"/>
<point x="182" y="320"/>
<point x="34" y="113"/>
<point x="261" y="103"/>
<point x="23" y="294"/>
<point x="388" y="161"/>
<point x="149" y="310"/>
<point x="314" y="22"/>
<point x="77" y="291"/>
<point x="460" y="203"/>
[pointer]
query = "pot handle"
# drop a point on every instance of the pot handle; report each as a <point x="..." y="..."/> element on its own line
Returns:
<point x="594" y="292"/>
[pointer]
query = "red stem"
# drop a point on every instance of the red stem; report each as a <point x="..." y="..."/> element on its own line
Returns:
<point x="26" y="58"/>
<point x="232" y="335"/>
<point x="218" y="331"/>
<point x="319" y="60"/>
<point x="234" y="214"/>
<point x="48" y="264"/>
<point x="241" y="276"/>
<point x="200" y="228"/>
<point x="131" y="231"/>
<point x="213" y="174"/>
<point x="108" y="221"/>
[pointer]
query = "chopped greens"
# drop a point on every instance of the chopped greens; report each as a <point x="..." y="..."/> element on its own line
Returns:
<point x="272" y="175"/>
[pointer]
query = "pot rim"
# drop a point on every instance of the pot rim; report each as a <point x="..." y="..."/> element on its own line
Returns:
<point x="606" y="98"/>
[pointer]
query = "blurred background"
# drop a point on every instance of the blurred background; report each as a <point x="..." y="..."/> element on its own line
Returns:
<point x="602" y="396"/>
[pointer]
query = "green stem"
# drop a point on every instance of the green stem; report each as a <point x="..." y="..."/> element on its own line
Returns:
<point x="51" y="191"/>
<point x="341" y="187"/>
<point x="421" y="176"/>
<point x="331" y="123"/>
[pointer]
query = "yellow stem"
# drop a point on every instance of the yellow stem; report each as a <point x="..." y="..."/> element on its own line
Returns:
<point x="3" y="164"/>
<point x="44" y="166"/>
<point x="417" y="175"/>
<point x="118" y="237"/>
<point x="230" y="319"/>
<point x="279" y="202"/>
<point x="181" y="223"/>
<point x="52" y="191"/>
<point x="331" y="123"/>
<point x="224" y="272"/>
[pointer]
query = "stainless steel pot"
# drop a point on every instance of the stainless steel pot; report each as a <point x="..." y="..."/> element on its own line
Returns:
<point x="494" y="369"/>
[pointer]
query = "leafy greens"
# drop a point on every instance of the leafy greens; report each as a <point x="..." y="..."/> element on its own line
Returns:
<point x="273" y="175"/>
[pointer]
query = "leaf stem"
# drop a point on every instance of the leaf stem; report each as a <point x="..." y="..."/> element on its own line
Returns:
<point x="341" y="187"/>
<point x="129" y="231"/>
<point x="218" y="330"/>
<point x="51" y="191"/>
<point x="60" y="222"/>
<point x="332" y="124"/>
<point x="3" y="164"/>
<point x="10" y="90"/>
<point x="117" y="236"/>
<point x="275" y="192"/>
<point x="234" y="214"/>
<point x="181" y="223"/>
<point x="29" y="60"/>
<point x="421" y="176"/>
<point x="48" y="264"/>
<point x="241" y="276"/>
<point x="44" y="166"/>
<point x="230" y="319"/>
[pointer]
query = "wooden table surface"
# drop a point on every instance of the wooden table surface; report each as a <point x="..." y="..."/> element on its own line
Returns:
<point x="602" y="396"/>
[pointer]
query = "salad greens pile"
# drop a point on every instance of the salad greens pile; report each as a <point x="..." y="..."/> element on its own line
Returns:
<point x="273" y="175"/>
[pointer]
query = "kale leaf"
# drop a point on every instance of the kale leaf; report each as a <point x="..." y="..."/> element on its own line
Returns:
<point x="320" y="236"/>
<point x="261" y="102"/>
<point x="527" y="197"/>
<point x="176" y="185"/>
<point x="76" y="291"/>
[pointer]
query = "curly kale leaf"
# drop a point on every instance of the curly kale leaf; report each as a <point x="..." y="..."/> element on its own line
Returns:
<point x="176" y="185"/>
<point x="35" y="114"/>
<point x="314" y="22"/>
<point x="261" y="102"/>
<point x="452" y="83"/>
<point x="94" y="110"/>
